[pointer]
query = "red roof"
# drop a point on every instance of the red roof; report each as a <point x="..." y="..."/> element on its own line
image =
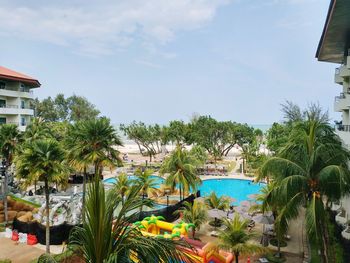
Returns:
<point x="9" y="74"/>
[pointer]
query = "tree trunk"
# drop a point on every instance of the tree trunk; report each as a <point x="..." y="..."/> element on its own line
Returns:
<point x="278" y="248"/>
<point x="84" y="193"/>
<point x="324" y="248"/>
<point x="236" y="257"/>
<point x="47" y="212"/>
<point x="180" y="192"/>
<point x="5" y="197"/>
<point x="35" y="182"/>
<point x="138" y="145"/>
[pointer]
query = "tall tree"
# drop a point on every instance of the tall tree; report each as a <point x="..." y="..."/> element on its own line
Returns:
<point x="311" y="168"/>
<point x="236" y="238"/>
<point x="92" y="143"/>
<point x="148" y="137"/>
<point x="103" y="238"/>
<point x="42" y="160"/>
<point x="181" y="167"/>
<point x="277" y="136"/>
<point x="122" y="185"/>
<point x="58" y="109"/>
<point x="9" y="139"/>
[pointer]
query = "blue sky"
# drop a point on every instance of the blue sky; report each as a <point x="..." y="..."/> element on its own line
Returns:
<point x="159" y="60"/>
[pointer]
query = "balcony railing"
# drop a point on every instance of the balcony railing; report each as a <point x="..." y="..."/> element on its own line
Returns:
<point x="344" y="128"/>
<point x="340" y="97"/>
<point x="9" y="106"/>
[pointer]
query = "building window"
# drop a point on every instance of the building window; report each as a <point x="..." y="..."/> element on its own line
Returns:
<point x="23" y="105"/>
<point x="2" y="120"/>
<point x="2" y="85"/>
<point x="2" y="103"/>
<point x="23" y="121"/>
<point x="22" y="88"/>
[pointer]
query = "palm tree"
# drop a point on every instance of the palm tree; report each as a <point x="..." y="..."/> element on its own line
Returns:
<point x="42" y="160"/>
<point x="195" y="213"/>
<point x="311" y="168"/>
<point x="146" y="181"/>
<point x="270" y="201"/>
<point x="215" y="202"/>
<point x="181" y="166"/>
<point x="236" y="238"/>
<point x="90" y="143"/>
<point x="37" y="129"/>
<point x="95" y="140"/>
<point x="122" y="185"/>
<point x="103" y="238"/>
<point x="9" y="139"/>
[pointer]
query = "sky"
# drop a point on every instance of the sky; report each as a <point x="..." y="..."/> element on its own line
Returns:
<point x="160" y="60"/>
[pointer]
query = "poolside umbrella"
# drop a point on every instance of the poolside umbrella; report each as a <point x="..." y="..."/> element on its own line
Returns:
<point x="216" y="213"/>
<point x="245" y="203"/>
<point x="243" y="215"/>
<point x="264" y="219"/>
<point x="253" y="196"/>
<point x="241" y="209"/>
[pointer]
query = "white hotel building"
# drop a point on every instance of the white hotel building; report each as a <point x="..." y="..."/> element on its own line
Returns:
<point x="334" y="47"/>
<point x="15" y="97"/>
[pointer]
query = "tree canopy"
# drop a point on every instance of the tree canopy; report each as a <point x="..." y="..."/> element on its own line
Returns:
<point x="58" y="109"/>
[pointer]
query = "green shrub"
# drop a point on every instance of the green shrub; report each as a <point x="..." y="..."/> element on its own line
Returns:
<point x="5" y="261"/>
<point x="272" y="258"/>
<point x="274" y="243"/>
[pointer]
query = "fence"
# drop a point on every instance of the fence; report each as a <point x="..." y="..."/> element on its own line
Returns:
<point x="166" y="212"/>
<point x="58" y="234"/>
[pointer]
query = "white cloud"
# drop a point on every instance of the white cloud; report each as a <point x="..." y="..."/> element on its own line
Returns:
<point x="102" y="26"/>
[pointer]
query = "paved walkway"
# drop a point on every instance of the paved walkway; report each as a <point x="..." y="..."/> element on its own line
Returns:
<point x="18" y="253"/>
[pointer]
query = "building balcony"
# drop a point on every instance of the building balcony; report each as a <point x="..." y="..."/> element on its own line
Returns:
<point x="9" y="109"/>
<point x="337" y="78"/>
<point x="344" y="71"/>
<point x="16" y="94"/>
<point x="341" y="102"/>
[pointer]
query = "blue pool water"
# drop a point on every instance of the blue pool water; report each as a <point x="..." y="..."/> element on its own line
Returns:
<point x="158" y="180"/>
<point x="235" y="188"/>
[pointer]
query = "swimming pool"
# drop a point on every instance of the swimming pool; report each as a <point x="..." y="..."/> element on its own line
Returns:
<point x="158" y="180"/>
<point x="235" y="188"/>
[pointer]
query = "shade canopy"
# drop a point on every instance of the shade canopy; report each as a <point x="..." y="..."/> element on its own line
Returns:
<point x="216" y="213"/>
<point x="335" y="40"/>
<point x="264" y="219"/>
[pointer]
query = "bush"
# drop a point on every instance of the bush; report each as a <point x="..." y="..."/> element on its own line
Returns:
<point x="274" y="243"/>
<point x="272" y="258"/>
<point x="5" y="261"/>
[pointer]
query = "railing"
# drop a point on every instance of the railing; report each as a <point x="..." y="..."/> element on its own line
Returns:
<point x="9" y="106"/>
<point x="340" y="97"/>
<point x="341" y="127"/>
